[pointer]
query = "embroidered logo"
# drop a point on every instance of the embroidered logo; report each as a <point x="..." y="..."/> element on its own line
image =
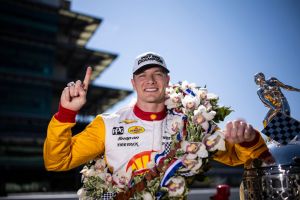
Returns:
<point x="150" y="57"/>
<point x="136" y="130"/>
<point x="138" y="163"/>
<point x="118" y="130"/>
<point x="128" y="121"/>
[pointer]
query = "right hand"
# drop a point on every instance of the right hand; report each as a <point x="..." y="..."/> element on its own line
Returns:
<point x="239" y="131"/>
<point x="73" y="96"/>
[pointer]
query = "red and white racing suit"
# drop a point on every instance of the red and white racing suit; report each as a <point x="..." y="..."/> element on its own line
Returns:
<point x="126" y="138"/>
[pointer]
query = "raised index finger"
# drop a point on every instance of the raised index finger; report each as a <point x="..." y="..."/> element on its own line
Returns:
<point x="87" y="78"/>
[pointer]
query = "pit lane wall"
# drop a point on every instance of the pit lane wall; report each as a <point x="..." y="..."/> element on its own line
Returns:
<point x="195" y="194"/>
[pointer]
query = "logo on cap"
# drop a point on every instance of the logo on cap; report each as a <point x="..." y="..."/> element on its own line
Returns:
<point x="150" y="57"/>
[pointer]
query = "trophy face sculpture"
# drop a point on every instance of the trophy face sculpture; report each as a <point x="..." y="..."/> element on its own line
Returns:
<point x="277" y="178"/>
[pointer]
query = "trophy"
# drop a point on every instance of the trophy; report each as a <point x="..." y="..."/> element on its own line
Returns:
<point x="277" y="176"/>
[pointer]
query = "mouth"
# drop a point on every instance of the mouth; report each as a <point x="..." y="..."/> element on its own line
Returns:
<point x="151" y="89"/>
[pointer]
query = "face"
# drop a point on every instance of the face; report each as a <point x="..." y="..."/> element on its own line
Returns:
<point x="259" y="79"/>
<point x="150" y="85"/>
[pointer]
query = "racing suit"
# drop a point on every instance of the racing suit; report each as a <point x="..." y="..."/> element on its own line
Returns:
<point x="126" y="138"/>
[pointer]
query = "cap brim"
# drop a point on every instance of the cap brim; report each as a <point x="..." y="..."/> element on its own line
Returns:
<point x="141" y="69"/>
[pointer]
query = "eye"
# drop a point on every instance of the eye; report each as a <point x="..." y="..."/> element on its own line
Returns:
<point x="160" y="74"/>
<point x="141" y="75"/>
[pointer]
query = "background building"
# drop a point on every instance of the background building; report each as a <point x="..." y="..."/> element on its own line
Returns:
<point x="43" y="48"/>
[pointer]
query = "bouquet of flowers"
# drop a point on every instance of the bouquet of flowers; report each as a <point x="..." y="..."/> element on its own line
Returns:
<point x="192" y="119"/>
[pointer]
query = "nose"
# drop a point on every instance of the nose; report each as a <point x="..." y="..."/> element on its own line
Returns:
<point x="151" y="79"/>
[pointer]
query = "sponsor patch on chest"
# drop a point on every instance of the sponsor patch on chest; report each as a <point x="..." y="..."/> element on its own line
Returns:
<point x="136" y="129"/>
<point x="128" y="121"/>
<point x="118" y="130"/>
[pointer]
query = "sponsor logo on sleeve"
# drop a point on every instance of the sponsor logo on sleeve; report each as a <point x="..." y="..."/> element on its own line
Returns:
<point x="118" y="130"/>
<point x="136" y="129"/>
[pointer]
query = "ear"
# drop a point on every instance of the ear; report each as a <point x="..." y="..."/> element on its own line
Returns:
<point x="133" y="84"/>
<point x="168" y="79"/>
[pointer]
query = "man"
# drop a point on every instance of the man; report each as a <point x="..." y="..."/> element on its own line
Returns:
<point x="270" y="94"/>
<point x="132" y="133"/>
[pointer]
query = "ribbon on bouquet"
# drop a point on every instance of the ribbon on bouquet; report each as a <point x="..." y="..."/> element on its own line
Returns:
<point x="189" y="92"/>
<point x="168" y="174"/>
<point x="176" y="164"/>
<point x="159" y="157"/>
<point x="181" y="134"/>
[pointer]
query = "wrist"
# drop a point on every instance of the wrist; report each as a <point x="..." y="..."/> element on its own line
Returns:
<point x="65" y="115"/>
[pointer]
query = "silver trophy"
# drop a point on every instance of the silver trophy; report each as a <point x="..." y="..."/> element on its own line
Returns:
<point x="275" y="176"/>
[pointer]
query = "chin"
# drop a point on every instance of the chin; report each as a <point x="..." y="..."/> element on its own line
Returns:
<point x="155" y="101"/>
<point x="154" y="98"/>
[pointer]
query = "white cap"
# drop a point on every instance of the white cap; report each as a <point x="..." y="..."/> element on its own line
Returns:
<point x="148" y="59"/>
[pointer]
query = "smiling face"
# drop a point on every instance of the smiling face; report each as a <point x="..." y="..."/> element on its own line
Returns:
<point x="150" y="86"/>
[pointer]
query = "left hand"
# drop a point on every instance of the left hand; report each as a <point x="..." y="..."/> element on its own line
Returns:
<point x="239" y="131"/>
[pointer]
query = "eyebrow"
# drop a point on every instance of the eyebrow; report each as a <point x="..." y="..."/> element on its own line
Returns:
<point x="159" y="70"/>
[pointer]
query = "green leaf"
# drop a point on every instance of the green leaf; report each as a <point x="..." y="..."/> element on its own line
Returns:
<point x="221" y="113"/>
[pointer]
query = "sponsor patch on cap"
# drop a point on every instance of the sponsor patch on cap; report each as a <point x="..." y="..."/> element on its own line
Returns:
<point x="148" y="59"/>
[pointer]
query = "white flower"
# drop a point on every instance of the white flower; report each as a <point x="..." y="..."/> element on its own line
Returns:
<point x="84" y="170"/>
<point x="121" y="178"/>
<point x="175" y="124"/>
<point x="88" y="172"/>
<point x="190" y="103"/>
<point x="192" y="164"/>
<point x="169" y="90"/>
<point x="147" y="196"/>
<point x="215" y="141"/>
<point x="194" y="150"/>
<point x="100" y="165"/>
<point x="107" y="177"/>
<point x="202" y="152"/>
<point x="176" y="186"/>
<point x="193" y="159"/>
<point x="174" y="100"/>
<point x="201" y="116"/>
<point x="207" y="105"/>
<point x="189" y="147"/>
<point x="212" y="96"/>
<point x="81" y="194"/>
<point x="203" y="94"/>
<point x="186" y="85"/>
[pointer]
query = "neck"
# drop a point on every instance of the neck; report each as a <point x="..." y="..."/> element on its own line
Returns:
<point x="151" y="107"/>
<point x="149" y="116"/>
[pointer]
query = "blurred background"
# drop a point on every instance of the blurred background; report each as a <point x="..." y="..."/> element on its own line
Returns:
<point x="48" y="43"/>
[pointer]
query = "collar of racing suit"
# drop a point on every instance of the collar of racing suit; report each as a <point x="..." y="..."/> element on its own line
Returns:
<point x="150" y="116"/>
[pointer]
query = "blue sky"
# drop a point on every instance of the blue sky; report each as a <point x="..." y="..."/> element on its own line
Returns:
<point x="220" y="44"/>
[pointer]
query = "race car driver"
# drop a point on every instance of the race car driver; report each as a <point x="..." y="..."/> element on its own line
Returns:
<point x="126" y="136"/>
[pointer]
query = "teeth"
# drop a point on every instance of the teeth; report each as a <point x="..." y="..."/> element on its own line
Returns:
<point x="151" y="90"/>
